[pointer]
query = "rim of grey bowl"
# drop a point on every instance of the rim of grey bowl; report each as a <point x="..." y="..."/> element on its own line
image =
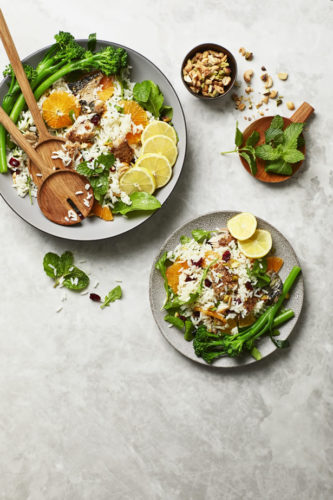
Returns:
<point x="200" y="48"/>
<point x="148" y="217"/>
<point x="152" y="271"/>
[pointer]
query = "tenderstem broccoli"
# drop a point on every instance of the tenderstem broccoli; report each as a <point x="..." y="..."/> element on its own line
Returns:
<point x="210" y="346"/>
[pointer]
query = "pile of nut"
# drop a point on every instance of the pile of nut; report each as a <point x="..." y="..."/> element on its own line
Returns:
<point x="208" y="73"/>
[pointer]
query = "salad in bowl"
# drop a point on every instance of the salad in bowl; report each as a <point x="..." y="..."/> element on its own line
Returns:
<point x="118" y="132"/>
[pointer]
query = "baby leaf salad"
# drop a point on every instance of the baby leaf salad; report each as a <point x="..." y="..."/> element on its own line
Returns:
<point x="279" y="151"/>
<point x="221" y="300"/>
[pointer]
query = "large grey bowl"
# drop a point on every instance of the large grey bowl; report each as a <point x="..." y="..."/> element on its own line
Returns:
<point x="157" y="293"/>
<point x="93" y="228"/>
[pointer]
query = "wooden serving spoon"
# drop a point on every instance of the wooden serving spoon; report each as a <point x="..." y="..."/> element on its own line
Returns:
<point x="58" y="187"/>
<point x="261" y="125"/>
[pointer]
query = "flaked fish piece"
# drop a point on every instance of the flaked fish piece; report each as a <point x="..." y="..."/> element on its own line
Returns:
<point x="83" y="130"/>
<point x="85" y="89"/>
<point x="123" y="152"/>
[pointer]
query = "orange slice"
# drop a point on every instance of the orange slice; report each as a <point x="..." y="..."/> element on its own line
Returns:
<point x="172" y="274"/>
<point x="101" y="212"/>
<point x="107" y="88"/>
<point x="139" y="117"/>
<point x="59" y="109"/>
<point x="210" y="256"/>
<point x="274" y="264"/>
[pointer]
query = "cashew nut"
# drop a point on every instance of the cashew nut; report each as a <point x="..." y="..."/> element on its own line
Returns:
<point x="273" y="94"/>
<point x="269" y="82"/>
<point x="248" y="75"/>
<point x="283" y="76"/>
<point x="290" y="105"/>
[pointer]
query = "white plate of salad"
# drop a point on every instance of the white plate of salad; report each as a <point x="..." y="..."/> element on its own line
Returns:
<point x="123" y="125"/>
<point x="226" y="289"/>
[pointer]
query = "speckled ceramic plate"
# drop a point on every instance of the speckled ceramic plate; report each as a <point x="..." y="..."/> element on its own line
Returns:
<point x="157" y="293"/>
<point x="93" y="228"/>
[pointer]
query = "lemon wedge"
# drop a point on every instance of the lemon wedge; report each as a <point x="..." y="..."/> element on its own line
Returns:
<point x="258" y="245"/>
<point x="159" y="128"/>
<point x="242" y="226"/>
<point x="158" y="165"/>
<point x="163" y="145"/>
<point x="137" y="179"/>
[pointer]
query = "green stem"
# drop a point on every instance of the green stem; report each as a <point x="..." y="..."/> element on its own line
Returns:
<point x="227" y="152"/>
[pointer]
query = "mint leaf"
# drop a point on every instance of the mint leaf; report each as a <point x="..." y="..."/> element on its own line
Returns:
<point x="293" y="156"/>
<point x="201" y="235"/>
<point x="100" y="184"/>
<point x="76" y="280"/>
<point x="253" y="139"/>
<point x="66" y="261"/>
<point x="238" y="136"/>
<point x="274" y="135"/>
<point x="83" y="169"/>
<point x="291" y="135"/>
<point x="107" y="160"/>
<point x="52" y="265"/>
<point x="141" y="201"/>
<point x="175" y="321"/>
<point x="279" y="167"/>
<point x="112" y="296"/>
<point x="250" y="161"/>
<point x="266" y="152"/>
<point x="277" y="122"/>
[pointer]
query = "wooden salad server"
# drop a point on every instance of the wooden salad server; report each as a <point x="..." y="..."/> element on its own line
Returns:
<point x="64" y="196"/>
<point x="301" y="115"/>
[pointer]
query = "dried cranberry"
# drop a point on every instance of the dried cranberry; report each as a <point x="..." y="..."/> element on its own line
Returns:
<point x="95" y="297"/>
<point x="113" y="168"/>
<point x="248" y="285"/>
<point x="13" y="162"/>
<point x="197" y="262"/>
<point x="95" y="119"/>
<point x="226" y="256"/>
<point x="238" y="301"/>
<point x="196" y="314"/>
<point x="182" y="318"/>
<point x="208" y="283"/>
<point x="189" y="278"/>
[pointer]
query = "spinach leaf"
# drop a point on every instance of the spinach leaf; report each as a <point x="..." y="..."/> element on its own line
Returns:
<point x="161" y="266"/>
<point x="141" y="201"/>
<point x="76" y="279"/>
<point x="52" y="265"/>
<point x="149" y="96"/>
<point x="63" y="267"/>
<point x="184" y="239"/>
<point x="112" y="296"/>
<point x="200" y="235"/>
<point x="166" y="113"/>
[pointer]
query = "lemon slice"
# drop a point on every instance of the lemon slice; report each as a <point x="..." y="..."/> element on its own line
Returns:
<point x="163" y="145"/>
<point x="258" y="245"/>
<point x="158" y="165"/>
<point x="137" y="179"/>
<point x="159" y="128"/>
<point x="242" y="226"/>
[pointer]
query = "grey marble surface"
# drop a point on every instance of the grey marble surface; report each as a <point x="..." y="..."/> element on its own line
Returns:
<point x="95" y="404"/>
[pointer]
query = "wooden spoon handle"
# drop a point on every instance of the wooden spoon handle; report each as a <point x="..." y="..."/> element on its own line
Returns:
<point x="15" y="61"/>
<point x="302" y="113"/>
<point x="20" y="140"/>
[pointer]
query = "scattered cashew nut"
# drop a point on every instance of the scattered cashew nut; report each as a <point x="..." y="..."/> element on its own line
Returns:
<point x="273" y="94"/>
<point x="283" y="76"/>
<point x="269" y="82"/>
<point x="248" y="75"/>
<point x="290" y="105"/>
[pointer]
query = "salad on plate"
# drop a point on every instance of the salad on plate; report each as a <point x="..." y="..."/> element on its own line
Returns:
<point x="223" y="289"/>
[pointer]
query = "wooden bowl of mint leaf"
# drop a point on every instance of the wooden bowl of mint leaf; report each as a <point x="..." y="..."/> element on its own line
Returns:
<point x="272" y="149"/>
